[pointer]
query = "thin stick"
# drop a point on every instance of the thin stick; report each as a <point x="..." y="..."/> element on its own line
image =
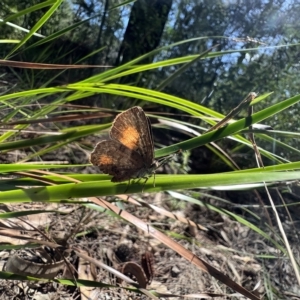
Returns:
<point x="252" y="140"/>
<point x="245" y="103"/>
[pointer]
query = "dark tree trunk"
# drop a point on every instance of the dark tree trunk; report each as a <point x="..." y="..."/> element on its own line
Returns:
<point x="144" y="30"/>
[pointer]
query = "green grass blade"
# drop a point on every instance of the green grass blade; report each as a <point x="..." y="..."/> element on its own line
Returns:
<point x="163" y="182"/>
<point x="37" y="26"/>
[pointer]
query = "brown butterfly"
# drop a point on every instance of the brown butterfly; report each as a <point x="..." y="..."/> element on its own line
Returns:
<point x="130" y="152"/>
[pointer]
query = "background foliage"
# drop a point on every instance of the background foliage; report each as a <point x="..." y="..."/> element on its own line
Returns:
<point x="219" y="83"/>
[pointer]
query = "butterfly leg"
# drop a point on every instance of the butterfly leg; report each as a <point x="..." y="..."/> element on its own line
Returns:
<point x="128" y="184"/>
<point x="146" y="179"/>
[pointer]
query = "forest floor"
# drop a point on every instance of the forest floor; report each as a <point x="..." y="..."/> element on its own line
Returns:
<point x="230" y="247"/>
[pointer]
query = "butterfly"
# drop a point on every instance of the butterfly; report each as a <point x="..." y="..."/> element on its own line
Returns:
<point x="129" y="154"/>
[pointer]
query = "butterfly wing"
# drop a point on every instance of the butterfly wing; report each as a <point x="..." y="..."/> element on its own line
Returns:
<point x="132" y="128"/>
<point x="117" y="160"/>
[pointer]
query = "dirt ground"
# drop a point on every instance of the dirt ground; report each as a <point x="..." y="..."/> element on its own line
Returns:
<point x="229" y="246"/>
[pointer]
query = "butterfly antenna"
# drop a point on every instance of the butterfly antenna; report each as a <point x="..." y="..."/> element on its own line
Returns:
<point x="164" y="160"/>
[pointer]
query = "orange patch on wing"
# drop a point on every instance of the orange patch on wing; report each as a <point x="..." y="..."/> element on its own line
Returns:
<point x="105" y="160"/>
<point x="130" y="137"/>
